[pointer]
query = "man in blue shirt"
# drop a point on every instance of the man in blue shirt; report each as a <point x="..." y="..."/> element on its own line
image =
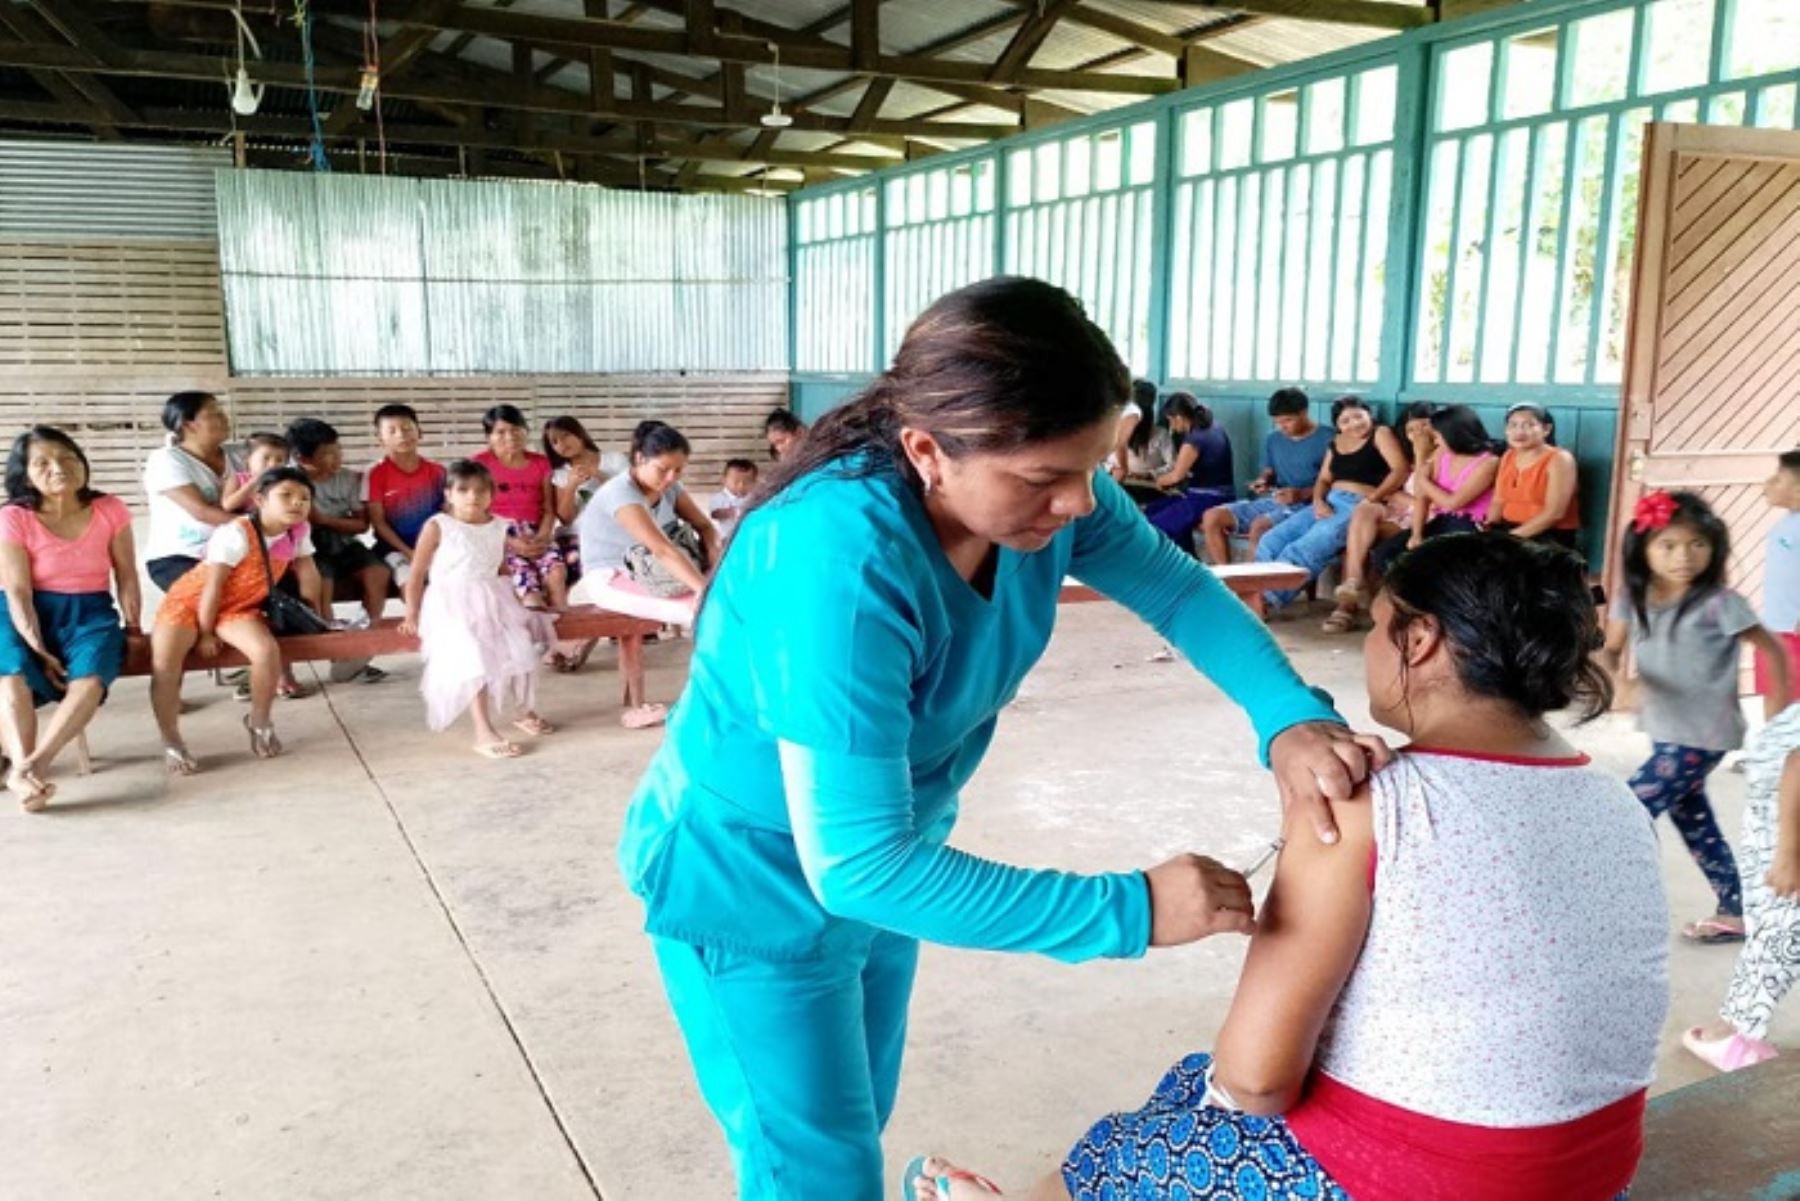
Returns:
<point x="1292" y="455"/>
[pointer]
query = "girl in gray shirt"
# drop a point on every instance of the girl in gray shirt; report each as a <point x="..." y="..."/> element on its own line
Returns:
<point x="1685" y="628"/>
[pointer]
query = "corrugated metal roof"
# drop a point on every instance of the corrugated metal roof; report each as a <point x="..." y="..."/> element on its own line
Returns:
<point x="107" y="190"/>
<point x="1278" y="40"/>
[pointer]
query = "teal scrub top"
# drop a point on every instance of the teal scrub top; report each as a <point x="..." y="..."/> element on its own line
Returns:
<point x="844" y="686"/>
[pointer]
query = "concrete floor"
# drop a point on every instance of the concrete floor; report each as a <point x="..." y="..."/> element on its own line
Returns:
<point x="382" y="968"/>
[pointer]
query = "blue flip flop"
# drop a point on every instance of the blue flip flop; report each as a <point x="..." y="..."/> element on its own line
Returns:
<point x="916" y="1169"/>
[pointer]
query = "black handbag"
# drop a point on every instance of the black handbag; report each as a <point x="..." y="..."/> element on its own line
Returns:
<point x="285" y="614"/>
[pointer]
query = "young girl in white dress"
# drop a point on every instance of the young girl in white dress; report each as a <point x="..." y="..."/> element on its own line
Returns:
<point x="479" y="643"/>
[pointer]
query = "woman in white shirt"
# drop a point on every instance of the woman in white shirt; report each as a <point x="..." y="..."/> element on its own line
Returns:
<point x="183" y="481"/>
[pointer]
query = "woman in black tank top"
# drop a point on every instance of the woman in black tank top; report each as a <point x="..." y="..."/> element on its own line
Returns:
<point x="1365" y="462"/>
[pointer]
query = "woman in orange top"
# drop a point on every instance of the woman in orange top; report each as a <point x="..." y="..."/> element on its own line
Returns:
<point x="1534" y="492"/>
<point x="220" y="600"/>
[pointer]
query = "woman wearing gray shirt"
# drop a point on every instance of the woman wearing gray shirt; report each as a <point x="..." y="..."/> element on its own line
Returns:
<point x="637" y="508"/>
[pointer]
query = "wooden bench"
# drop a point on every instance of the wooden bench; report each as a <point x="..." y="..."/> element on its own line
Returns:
<point x="579" y="624"/>
<point x="1734" y="1136"/>
<point x="1247" y="580"/>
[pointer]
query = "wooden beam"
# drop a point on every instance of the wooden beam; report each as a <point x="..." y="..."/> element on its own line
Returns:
<point x="1202" y="64"/>
<point x="107" y="111"/>
<point x="1131" y="31"/>
<point x="1368" y="13"/>
<point x="869" y="107"/>
<point x="501" y="92"/>
<point x="1025" y="42"/>
<point x="865" y="34"/>
<point x="601" y="88"/>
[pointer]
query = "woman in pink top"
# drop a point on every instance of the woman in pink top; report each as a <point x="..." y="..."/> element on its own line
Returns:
<point x="62" y="545"/>
<point x="1403" y="1029"/>
<point x="1453" y="479"/>
<point x="525" y="500"/>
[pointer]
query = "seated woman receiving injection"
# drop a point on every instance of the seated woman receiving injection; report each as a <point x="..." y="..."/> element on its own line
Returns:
<point x="1403" y="1028"/>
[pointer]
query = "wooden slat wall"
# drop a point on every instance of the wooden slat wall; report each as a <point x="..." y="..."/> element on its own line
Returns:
<point x="95" y="335"/>
<point x="110" y="304"/>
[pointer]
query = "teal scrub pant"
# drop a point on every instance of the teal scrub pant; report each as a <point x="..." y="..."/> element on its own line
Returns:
<point x="798" y="1061"/>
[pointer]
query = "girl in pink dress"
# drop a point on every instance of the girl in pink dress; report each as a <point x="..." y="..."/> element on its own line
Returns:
<point x="479" y="643"/>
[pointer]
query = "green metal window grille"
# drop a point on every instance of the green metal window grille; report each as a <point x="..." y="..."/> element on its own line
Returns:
<point x="1533" y="149"/>
<point x="1282" y="202"/>
<point x="834" y="280"/>
<point x="939" y="235"/>
<point x="1080" y="213"/>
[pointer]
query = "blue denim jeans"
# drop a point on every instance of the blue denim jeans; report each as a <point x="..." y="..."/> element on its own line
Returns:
<point x="1308" y="540"/>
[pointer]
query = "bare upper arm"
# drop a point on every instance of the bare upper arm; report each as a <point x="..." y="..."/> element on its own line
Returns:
<point x="1308" y="936"/>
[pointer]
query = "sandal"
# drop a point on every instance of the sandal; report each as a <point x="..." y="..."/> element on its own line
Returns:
<point x="499" y="750"/>
<point x="177" y="761"/>
<point x="292" y="691"/>
<point x="1715" y="929"/>
<point x="1343" y="620"/>
<point x="534" y="725"/>
<point x="1349" y="592"/>
<point x="943" y="1179"/>
<point x="1730" y="1053"/>
<point x="578" y="660"/>
<point x="32" y="792"/>
<point x="263" y="743"/>
<point x="644" y="717"/>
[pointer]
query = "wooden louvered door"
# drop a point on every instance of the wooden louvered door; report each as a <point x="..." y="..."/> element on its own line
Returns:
<point x="1712" y="385"/>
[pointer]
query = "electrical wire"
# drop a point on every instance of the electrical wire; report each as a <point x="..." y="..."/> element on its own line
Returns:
<point x="316" y="151"/>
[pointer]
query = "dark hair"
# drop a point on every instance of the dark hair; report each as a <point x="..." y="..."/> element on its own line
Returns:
<point x="741" y="465"/>
<point x="309" y="435"/>
<point x="1143" y="395"/>
<point x="1517" y="615"/>
<point x="1344" y="404"/>
<point x="184" y="407"/>
<point x="267" y="481"/>
<point x="397" y="412"/>
<point x="1186" y="406"/>
<point x="1790" y="461"/>
<point x="509" y="414"/>
<point x="467" y="471"/>
<point x="993" y="366"/>
<point x="1462" y="430"/>
<point x="1288" y="402"/>
<point x="19" y="488"/>
<point x="266" y="441"/>
<point x="565" y="425"/>
<point x="1538" y="411"/>
<point x="653" y="438"/>
<point x="1697" y="515"/>
<point x="784" y="421"/>
<point x="1418" y="410"/>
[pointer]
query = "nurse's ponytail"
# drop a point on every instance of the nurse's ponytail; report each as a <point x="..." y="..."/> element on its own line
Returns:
<point x="988" y="368"/>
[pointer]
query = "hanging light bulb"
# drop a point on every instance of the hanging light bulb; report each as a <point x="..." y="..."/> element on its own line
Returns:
<point x="775" y="118"/>
<point x="365" y="92"/>
<point x="246" y="98"/>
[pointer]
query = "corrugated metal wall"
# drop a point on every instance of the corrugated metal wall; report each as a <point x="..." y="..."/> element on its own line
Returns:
<point x="77" y="190"/>
<point x="359" y="275"/>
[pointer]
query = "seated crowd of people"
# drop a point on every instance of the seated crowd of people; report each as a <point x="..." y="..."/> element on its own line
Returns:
<point x="1356" y="490"/>
<point x="257" y="537"/>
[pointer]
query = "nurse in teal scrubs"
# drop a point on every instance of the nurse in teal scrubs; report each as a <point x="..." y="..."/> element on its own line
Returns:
<point x="877" y="609"/>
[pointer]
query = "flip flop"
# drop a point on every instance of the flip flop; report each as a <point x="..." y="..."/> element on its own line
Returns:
<point x="1711" y="930"/>
<point x="644" y="717"/>
<point x="1730" y="1053"/>
<point x="943" y="1180"/>
<point x="534" y="725"/>
<point x="499" y="750"/>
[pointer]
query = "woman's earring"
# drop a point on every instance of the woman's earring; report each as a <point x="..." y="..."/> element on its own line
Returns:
<point x="930" y="482"/>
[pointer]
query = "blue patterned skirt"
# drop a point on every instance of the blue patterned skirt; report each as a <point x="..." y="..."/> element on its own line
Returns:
<point x="1177" y="1149"/>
